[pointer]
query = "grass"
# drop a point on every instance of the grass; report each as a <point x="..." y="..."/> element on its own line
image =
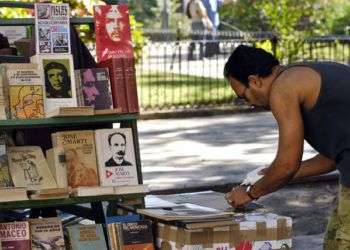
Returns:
<point x="160" y="90"/>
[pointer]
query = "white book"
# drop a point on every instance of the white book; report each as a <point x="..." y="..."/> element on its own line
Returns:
<point x="57" y="163"/>
<point x="28" y="168"/>
<point x="52" y="31"/>
<point x="59" y="81"/>
<point x="116" y="157"/>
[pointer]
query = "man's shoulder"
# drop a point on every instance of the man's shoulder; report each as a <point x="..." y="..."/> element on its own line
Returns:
<point x="110" y="162"/>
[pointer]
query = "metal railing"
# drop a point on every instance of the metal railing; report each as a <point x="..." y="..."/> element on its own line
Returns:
<point x="183" y="73"/>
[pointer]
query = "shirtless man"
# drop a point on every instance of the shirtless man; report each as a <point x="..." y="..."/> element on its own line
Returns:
<point x="309" y="101"/>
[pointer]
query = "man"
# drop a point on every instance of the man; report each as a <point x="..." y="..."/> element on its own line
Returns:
<point x="57" y="81"/>
<point x="308" y="100"/>
<point x="117" y="146"/>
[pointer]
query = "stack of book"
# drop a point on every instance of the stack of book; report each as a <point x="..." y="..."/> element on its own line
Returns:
<point x="49" y="82"/>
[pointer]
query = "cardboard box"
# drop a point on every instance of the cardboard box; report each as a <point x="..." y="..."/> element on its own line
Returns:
<point x="254" y="231"/>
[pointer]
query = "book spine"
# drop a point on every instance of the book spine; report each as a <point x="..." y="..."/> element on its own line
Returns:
<point x="131" y="85"/>
<point x="79" y="88"/>
<point x="4" y="102"/>
<point x="112" y="236"/>
<point x="116" y="71"/>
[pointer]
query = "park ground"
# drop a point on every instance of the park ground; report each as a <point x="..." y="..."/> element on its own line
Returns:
<point x="215" y="152"/>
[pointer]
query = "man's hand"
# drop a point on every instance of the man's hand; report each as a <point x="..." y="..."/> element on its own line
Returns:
<point x="238" y="197"/>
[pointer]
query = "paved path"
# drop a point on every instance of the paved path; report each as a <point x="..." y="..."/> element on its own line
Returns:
<point x="178" y="153"/>
<point x="208" y="150"/>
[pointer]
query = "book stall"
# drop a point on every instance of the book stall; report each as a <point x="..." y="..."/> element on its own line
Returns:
<point x="69" y="143"/>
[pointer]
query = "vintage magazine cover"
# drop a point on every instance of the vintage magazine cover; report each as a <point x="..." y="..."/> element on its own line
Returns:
<point x="87" y="237"/>
<point x="94" y="88"/>
<point x="116" y="157"/>
<point x="47" y="233"/>
<point x="28" y="168"/>
<point x="59" y="81"/>
<point x="5" y="178"/>
<point x="52" y="28"/>
<point x="15" y="235"/>
<point x="79" y="148"/>
<point x="113" y="37"/>
<point x="135" y="235"/>
<point x="25" y="91"/>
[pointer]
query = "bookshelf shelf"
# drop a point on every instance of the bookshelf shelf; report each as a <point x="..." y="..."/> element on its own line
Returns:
<point x="64" y="201"/>
<point x="66" y="121"/>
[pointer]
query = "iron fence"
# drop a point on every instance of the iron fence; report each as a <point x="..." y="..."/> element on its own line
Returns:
<point x="182" y="73"/>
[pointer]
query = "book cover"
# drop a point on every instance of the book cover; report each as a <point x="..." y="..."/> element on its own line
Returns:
<point x="130" y="85"/>
<point x="59" y="82"/>
<point x="25" y="91"/>
<point x="15" y="235"/>
<point x="56" y="160"/>
<point x="117" y="79"/>
<point x="186" y="211"/>
<point x="28" y="168"/>
<point x="94" y="88"/>
<point x="46" y="233"/>
<point x="79" y="149"/>
<point x="113" y="36"/>
<point x="87" y="237"/>
<point x="135" y="235"/>
<point x="26" y="101"/>
<point x="116" y="157"/>
<point x="52" y="28"/>
<point x="5" y="178"/>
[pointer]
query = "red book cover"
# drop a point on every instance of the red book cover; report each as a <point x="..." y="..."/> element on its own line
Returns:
<point x="15" y="235"/>
<point x="113" y="36"/>
<point x="130" y="85"/>
<point x="116" y="75"/>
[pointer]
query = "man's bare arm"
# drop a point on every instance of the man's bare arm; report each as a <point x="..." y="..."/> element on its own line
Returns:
<point x="285" y="106"/>
<point x="317" y="165"/>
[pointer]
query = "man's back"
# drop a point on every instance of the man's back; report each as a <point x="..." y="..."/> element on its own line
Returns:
<point x="327" y="123"/>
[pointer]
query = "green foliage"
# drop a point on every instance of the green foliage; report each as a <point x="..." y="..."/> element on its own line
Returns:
<point x="144" y="11"/>
<point x="295" y="20"/>
<point x="244" y="15"/>
<point x="137" y="37"/>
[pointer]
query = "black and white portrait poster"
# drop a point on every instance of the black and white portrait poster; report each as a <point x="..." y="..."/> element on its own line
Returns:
<point x="116" y="157"/>
<point x="57" y="72"/>
<point x="52" y="28"/>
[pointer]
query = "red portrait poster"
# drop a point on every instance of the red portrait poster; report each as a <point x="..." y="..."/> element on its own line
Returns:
<point x="113" y="37"/>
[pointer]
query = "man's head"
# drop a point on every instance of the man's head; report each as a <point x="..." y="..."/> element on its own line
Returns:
<point x="113" y="25"/>
<point x="117" y="145"/>
<point x="56" y="74"/>
<point x="250" y="72"/>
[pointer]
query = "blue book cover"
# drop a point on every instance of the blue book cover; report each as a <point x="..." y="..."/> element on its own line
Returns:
<point x="123" y="218"/>
<point x="87" y="237"/>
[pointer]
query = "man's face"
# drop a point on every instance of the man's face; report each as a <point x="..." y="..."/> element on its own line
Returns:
<point x="91" y="92"/>
<point x="55" y="78"/>
<point x="117" y="147"/>
<point x="113" y="29"/>
<point x="254" y="94"/>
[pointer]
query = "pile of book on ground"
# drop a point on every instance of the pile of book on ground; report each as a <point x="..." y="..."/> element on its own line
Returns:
<point x="180" y="223"/>
<point x="54" y="84"/>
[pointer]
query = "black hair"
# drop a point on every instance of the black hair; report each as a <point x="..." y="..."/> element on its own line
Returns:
<point x="246" y="60"/>
<point x="116" y="133"/>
